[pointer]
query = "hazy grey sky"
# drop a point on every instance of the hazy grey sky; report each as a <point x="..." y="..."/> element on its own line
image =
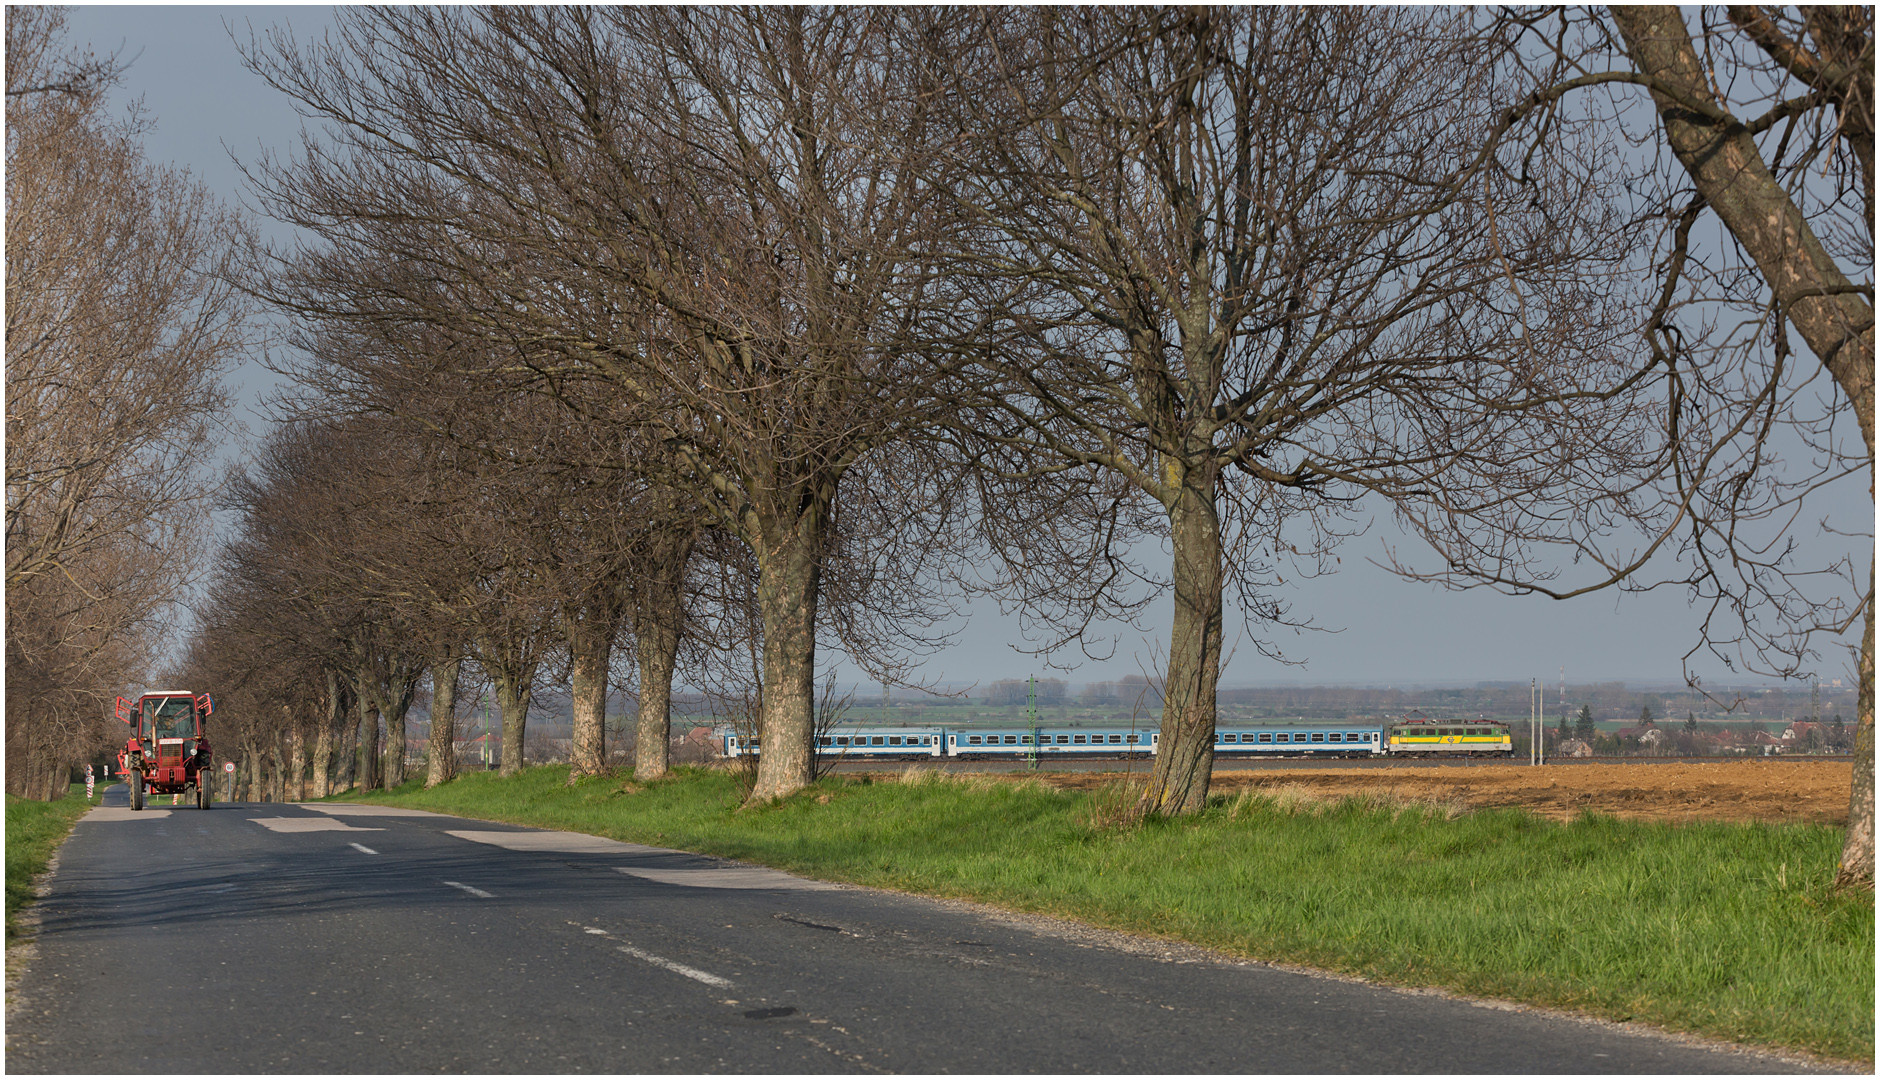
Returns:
<point x="206" y="105"/>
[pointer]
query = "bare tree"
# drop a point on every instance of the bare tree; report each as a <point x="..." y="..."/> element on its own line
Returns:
<point x="1239" y="264"/>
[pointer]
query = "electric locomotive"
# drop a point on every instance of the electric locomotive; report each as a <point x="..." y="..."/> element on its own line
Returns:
<point x="1449" y="738"/>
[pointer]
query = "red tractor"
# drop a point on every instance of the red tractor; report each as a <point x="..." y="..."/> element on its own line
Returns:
<point x="168" y="752"/>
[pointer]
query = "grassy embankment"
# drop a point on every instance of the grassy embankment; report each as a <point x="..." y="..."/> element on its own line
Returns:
<point x="34" y="831"/>
<point x="1722" y="929"/>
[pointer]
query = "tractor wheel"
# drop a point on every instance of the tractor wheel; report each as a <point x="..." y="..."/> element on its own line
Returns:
<point x="205" y="796"/>
<point x="137" y="791"/>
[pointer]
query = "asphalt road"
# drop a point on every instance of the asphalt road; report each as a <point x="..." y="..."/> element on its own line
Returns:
<point x="259" y="938"/>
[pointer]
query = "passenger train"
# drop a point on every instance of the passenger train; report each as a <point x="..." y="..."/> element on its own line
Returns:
<point x="1402" y="738"/>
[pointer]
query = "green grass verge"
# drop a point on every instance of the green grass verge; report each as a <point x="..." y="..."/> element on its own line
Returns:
<point x="34" y="831"/>
<point x="1722" y="929"/>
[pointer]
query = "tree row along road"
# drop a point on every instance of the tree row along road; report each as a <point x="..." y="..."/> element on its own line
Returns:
<point x="301" y="938"/>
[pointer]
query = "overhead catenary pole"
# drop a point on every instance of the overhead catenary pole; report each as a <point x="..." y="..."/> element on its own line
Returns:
<point x="1031" y="714"/>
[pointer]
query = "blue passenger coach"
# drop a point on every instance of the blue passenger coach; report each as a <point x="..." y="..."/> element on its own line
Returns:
<point x="1309" y="740"/>
<point x="895" y="742"/>
<point x="1052" y="742"/>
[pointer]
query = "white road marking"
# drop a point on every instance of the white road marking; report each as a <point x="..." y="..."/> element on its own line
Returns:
<point x="560" y="843"/>
<point x="364" y="810"/>
<point x="727" y="877"/>
<point x="673" y="966"/>
<point x="124" y="813"/>
<point x="364" y="848"/>
<point x="471" y="889"/>
<point x="306" y="824"/>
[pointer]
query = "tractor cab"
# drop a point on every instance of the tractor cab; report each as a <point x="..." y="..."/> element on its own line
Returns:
<point x="169" y="722"/>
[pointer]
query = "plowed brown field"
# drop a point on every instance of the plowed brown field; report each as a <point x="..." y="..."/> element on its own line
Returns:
<point x="1740" y="790"/>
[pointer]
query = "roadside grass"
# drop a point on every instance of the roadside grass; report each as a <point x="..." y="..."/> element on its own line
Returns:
<point x="1722" y="929"/>
<point x="34" y="831"/>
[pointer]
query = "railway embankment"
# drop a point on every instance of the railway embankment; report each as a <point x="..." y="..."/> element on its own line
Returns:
<point x="1724" y="928"/>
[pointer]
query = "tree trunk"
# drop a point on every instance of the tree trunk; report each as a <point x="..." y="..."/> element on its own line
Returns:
<point x="323" y="761"/>
<point x="1856" y="868"/>
<point x="297" y="765"/>
<point x="367" y="751"/>
<point x="442" y="767"/>
<point x="346" y="732"/>
<point x="656" y="649"/>
<point x="658" y="620"/>
<point x="252" y="754"/>
<point x="512" y="697"/>
<point x="394" y="747"/>
<point x="591" y="647"/>
<point x="399" y="689"/>
<point x="789" y="576"/>
<point x="277" y="771"/>
<point x="323" y="739"/>
<point x="1184" y="760"/>
<point x="1728" y="170"/>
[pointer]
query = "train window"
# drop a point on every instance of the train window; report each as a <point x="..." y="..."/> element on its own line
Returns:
<point x="1077" y="738"/>
<point x="1116" y="738"/>
<point x="1132" y="738"/>
<point x="973" y="739"/>
<point x="1335" y="737"/>
<point x="1266" y="736"/>
<point x="894" y="740"/>
<point x="1011" y="740"/>
<point x="1318" y="736"/>
<point x="1230" y="737"/>
<point x="1064" y="739"/>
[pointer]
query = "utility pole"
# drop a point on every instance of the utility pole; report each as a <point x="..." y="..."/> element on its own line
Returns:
<point x="1534" y="727"/>
<point x="1031" y="714"/>
<point x="1540" y="735"/>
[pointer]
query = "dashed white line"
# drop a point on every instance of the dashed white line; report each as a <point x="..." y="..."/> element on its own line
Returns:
<point x="471" y="889"/>
<point x="364" y="848"/>
<point x="673" y="966"/>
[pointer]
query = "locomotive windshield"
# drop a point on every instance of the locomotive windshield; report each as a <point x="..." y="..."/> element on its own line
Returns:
<point x="170" y="718"/>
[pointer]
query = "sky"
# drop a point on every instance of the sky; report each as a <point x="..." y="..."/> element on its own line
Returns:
<point x="205" y="106"/>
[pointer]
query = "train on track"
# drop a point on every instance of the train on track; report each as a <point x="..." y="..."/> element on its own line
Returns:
<point x="1402" y="738"/>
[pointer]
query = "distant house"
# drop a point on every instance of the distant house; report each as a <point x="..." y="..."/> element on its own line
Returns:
<point x="1574" y="748"/>
<point x="1799" y="730"/>
<point x="1646" y="736"/>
